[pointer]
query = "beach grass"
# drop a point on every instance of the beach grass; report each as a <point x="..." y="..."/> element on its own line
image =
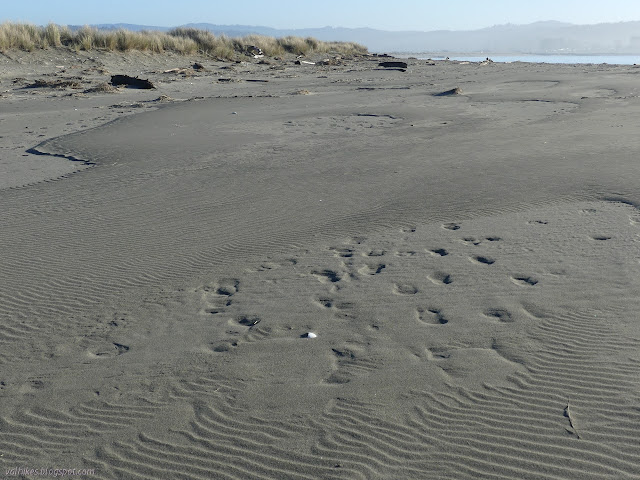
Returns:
<point x="183" y="40"/>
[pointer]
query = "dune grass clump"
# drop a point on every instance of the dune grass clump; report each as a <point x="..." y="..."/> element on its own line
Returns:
<point x="343" y="48"/>
<point x="184" y="40"/>
<point x="51" y="36"/>
<point x="269" y="45"/>
<point x="205" y="41"/>
<point x="19" y="36"/>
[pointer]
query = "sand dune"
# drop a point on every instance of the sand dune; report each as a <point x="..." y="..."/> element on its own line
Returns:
<point x="468" y="263"/>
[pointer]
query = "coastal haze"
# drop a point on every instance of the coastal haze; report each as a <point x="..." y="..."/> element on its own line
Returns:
<point x="541" y="37"/>
<point x="320" y="265"/>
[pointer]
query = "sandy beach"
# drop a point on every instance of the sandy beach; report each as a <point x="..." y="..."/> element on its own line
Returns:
<point x="468" y="263"/>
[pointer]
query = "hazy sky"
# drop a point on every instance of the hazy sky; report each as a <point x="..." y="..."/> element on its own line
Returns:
<point x="380" y="14"/>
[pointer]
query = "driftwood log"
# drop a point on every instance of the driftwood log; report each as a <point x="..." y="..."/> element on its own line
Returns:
<point x="134" y="82"/>
<point x="393" y="64"/>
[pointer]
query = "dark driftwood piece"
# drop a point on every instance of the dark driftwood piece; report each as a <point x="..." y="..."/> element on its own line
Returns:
<point x="134" y="82"/>
<point x="393" y="64"/>
<point x="453" y="91"/>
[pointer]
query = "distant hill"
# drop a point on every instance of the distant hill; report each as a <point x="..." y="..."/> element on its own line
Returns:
<point x="539" y="37"/>
<point x="127" y="26"/>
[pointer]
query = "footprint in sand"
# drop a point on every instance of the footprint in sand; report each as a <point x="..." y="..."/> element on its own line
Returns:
<point x="440" y="278"/>
<point x="404" y="289"/>
<point x="350" y="361"/>
<point x="431" y="316"/>
<point x="372" y="269"/>
<point x="440" y="252"/>
<point x="407" y="253"/>
<point x="264" y="267"/>
<point x="438" y="353"/>
<point x="471" y="241"/>
<point x="325" y="302"/>
<point x="601" y="238"/>
<point x="32" y="385"/>
<point x="253" y="329"/>
<point x="499" y="314"/>
<point x="112" y="350"/>
<point x="483" y="260"/>
<point x="248" y="320"/>
<point x="524" y="281"/>
<point x="228" y="288"/>
<point x="217" y="296"/>
<point x="340" y="309"/>
<point x="268" y="266"/>
<point x="451" y="226"/>
<point x="224" y="347"/>
<point x="327" y="276"/>
<point x="343" y="252"/>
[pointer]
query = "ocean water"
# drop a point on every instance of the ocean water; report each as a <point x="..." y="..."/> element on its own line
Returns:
<point x="593" y="59"/>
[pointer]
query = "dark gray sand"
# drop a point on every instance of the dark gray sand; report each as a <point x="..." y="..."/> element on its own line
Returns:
<point x="468" y="262"/>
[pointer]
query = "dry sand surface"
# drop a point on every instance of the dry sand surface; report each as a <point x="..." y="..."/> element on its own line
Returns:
<point x="469" y="264"/>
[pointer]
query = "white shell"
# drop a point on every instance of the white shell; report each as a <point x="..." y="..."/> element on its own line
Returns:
<point x="310" y="335"/>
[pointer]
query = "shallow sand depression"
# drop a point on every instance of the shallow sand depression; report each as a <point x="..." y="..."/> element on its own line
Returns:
<point x="469" y="264"/>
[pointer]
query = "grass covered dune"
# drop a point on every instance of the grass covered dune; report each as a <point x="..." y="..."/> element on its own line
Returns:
<point x="182" y="40"/>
